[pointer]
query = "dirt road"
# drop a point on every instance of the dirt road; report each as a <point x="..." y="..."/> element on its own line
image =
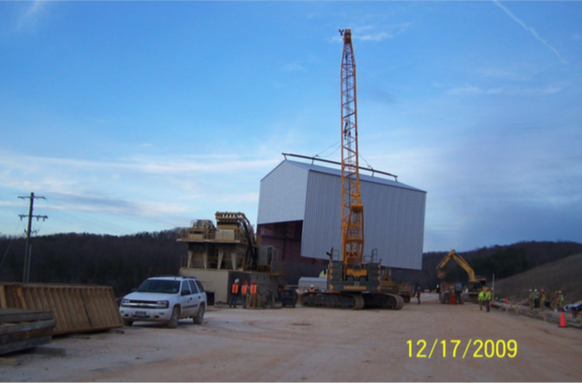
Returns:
<point x="304" y="344"/>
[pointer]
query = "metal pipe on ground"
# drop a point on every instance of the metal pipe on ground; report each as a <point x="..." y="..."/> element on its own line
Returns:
<point x="546" y="315"/>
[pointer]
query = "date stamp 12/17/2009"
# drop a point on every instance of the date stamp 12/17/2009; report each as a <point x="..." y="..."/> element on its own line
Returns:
<point x="455" y="348"/>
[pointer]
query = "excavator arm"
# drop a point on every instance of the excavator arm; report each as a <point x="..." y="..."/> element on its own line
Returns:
<point x="453" y="255"/>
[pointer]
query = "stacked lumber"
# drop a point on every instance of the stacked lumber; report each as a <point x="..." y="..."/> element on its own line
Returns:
<point x="21" y="329"/>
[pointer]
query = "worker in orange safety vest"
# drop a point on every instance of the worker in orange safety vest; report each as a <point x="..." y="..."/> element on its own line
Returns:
<point x="244" y="291"/>
<point x="234" y="293"/>
<point x="254" y="298"/>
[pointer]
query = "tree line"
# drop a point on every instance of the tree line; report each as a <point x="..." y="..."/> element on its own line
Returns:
<point x="123" y="262"/>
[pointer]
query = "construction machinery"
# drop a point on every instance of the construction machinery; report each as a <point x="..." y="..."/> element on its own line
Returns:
<point x="390" y="286"/>
<point x="451" y="292"/>
<point x="353" y="281"/>
<point x="217" y="255"/>
<point x="448" y="290"/>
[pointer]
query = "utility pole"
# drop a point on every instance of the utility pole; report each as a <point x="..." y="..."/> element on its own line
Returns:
<point x="30" y="216"/>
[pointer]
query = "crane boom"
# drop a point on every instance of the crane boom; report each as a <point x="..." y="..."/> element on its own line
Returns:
<point x="351" y="283"/>
<point x="352" y="208"/>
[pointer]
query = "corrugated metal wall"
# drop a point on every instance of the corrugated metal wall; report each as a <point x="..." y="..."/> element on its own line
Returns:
<point x="282" y="194"/>
<point x="393" y="212"/>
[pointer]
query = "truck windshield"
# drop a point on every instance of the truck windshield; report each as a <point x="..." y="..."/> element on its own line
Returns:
<point x="159" y="286"/>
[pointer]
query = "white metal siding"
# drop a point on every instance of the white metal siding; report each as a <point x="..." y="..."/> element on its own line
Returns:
<point x="393" y="221"/>
<point x="393" y="212"/>
<point x="282" y="194"/>
<point x="322" y="224"/>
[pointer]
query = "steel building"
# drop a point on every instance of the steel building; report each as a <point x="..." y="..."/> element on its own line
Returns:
<point x="299" y="213"/>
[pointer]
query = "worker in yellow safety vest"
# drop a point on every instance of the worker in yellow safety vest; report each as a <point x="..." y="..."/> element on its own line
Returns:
<point x="481" y="299"/>
<point x="560" y="301"/>
<point x="542" y="300"/>
<point x="488" y="299"/>
<point x="531" y="299"/>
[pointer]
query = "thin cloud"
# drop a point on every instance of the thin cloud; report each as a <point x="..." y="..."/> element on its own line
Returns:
<point x="465" y="90"/>
<point x="31" y="15"/>
<point x="502" y="74"/>
<point x="470" y="90"/>
<point x="531" y="30"/>
<point x="156" y="165"/>
<point x="375" y="36"/>
<point x="294" y="67"/>
<point x="552" y="89"/>
<point x="373" y="33"/>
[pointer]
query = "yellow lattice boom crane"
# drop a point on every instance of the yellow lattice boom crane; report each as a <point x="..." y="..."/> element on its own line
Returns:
<point x="354" y="281"/>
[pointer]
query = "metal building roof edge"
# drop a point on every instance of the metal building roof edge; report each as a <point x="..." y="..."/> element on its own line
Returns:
<point x="337" y="172"/>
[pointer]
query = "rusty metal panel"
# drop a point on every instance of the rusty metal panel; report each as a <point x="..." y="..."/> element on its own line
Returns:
<point x="76" y="308"/>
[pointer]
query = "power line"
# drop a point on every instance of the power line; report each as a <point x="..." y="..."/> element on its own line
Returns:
<point x="26" y="271"/>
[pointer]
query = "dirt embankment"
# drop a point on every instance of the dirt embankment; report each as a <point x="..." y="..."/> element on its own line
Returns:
<point x="561" y="275"/>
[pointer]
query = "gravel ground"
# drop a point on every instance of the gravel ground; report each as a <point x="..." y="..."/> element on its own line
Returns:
<point x="306" y="344"/>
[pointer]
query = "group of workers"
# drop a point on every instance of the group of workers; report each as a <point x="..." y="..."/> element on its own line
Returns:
<point x="537" y="299"/>
<point x="484" y="299"/>
<point x="243" y="291"/>
<point x="250" y="294"/>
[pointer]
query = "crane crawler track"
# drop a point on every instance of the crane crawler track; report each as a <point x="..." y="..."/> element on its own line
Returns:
<point x="351" y="301"/>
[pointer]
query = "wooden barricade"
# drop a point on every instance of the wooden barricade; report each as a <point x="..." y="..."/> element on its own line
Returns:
<point x="76" y="308"/>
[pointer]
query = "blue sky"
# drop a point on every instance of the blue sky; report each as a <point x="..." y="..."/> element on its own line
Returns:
<point x="142" y="116"/>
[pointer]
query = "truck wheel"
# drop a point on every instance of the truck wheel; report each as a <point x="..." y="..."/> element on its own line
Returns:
<point x="175" y="318"/>
<point x="200" y="315"/>
<point x="127" y="322"/>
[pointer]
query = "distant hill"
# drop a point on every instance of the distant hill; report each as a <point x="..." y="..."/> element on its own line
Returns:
<point x="565" y="275"/>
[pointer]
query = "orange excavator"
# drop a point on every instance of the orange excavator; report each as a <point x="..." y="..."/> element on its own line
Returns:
<point x="354" y="281"/>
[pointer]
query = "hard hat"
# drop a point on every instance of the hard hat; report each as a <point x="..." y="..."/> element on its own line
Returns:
<point x="311" y="285"/>
<point x="236" y="281"/>
<point x="254" y="282"/>
<point x="536" y="289"/>
<point x="542" y="290"/>
<point x="559" y="292"/>
<point x="530" y="290"/>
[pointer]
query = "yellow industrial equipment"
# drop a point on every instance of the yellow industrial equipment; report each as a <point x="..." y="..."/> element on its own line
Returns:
<point x="353" y="282"/>
<point x="231" y="245"/>
<point x="476" y="283"/>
